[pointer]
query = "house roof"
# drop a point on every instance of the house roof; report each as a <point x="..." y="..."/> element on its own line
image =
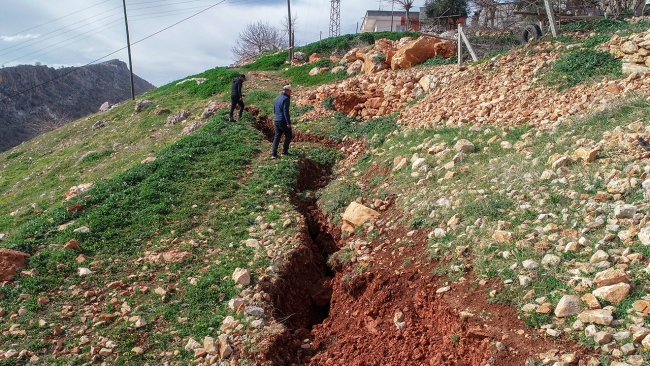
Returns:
<point x="383" y="13"/>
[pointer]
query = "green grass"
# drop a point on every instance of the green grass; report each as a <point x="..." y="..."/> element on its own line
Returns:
<point x="218" y="81"/>
<point x="580" y="66"/>
<point x="299" y="75"/>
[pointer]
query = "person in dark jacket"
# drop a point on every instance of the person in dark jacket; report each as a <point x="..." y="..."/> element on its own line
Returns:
<point x="236" y="96"/>
<point x="282" y="122"/>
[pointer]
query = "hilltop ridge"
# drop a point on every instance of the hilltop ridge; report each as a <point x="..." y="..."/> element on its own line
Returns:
<point x="81" y="92"/>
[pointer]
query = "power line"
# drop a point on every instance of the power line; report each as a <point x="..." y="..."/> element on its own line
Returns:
<point x="33" y="41"/>
<point x="112" y="53"/>
<point x="54" y="20"/>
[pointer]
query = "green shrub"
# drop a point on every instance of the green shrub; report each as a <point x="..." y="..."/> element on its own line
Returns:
<point x="440" y="60"/>
<point x="300" y="74"/>
<point x="269" y="62"/>
<point x="297" y="111"/>
<point x="328" y="104"/>
<point x="577" y="67"/>
<point x="218" y="81"/>
<point x="95" y="156"/>
<point x="379" y="58"/>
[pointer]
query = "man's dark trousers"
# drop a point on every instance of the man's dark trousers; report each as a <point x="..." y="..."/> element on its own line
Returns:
<point x="236" y="102"/>
<point x="280" y="129"/>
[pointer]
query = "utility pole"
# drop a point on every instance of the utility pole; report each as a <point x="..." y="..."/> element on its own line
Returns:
<point x="290" y="32"/>
<point x="335" y="18"/>
<point x="392" y="13"/>
<point x="128" y="44"/>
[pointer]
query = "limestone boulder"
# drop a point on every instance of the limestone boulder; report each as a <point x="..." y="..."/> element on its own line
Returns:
<point x="356" y="214"/>
<point x="614" y="293"/>
<point x="568" y="305"/>
<point x="420" y="50"/>
<point x="374" y="62"/>
<point x="610" y="276"/>
<point x="314" y="57"/>
<point x="355" y="67"/>
<point x="10" y="262"/>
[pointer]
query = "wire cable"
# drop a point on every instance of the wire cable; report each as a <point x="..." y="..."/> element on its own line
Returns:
<point x="54" y="20"/>
<point x="33" y="41"/>
<point x="112" y="53"/>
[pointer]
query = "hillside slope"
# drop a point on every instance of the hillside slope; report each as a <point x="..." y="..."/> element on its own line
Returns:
<point x="75" y="95"/>
<point x="482" y="240"/>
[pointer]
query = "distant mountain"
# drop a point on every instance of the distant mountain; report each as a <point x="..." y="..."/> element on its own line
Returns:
<point x="77" y="94"/>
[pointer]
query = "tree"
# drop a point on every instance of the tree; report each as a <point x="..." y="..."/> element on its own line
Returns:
<point x="257" y="38"/>
<point x="453" y="9"/>
<point x="407" y="5"/>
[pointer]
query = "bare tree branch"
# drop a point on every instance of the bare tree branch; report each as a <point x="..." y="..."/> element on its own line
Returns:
<point x="257" y="38"/>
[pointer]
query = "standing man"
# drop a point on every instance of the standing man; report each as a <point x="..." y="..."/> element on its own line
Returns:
<point x="236" y="96"/>
<point x="282" y="122"/>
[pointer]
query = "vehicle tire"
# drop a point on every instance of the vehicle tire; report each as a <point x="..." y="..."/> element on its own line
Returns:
<point x="532" y="32"/>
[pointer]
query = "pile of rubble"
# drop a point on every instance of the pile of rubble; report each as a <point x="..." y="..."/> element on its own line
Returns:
<point x="633" y="50"/>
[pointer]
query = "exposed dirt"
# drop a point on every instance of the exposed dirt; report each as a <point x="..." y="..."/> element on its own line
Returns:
<point x="10" y="262"/>
<point x="347" y="318"/>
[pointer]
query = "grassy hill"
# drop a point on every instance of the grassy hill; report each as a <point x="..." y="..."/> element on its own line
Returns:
<point x="171" y="217"/>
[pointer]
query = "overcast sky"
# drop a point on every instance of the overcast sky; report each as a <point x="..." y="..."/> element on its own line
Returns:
<point x="76" y="32"/>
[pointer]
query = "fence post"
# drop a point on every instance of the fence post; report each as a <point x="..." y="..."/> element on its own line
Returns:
<point x="551" y="17"/>
<point x="460" y="46"/>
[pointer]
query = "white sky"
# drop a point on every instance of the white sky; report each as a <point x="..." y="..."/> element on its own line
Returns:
<point x="91" y="29"/>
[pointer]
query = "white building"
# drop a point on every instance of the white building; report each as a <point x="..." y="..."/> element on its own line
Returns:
<point x="386" y="20"/>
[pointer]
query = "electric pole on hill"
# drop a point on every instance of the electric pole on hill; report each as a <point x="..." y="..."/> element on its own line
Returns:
<point x="335" y="18"/>
<point x="128" y="44"/>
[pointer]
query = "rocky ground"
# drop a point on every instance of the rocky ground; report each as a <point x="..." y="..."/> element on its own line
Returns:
<point x="502" y="222"/>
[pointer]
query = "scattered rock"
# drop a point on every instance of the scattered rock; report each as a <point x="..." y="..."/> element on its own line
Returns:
<point x="10" y="262"/>
<point x="567" y="306"/>
<point x="356" y="215"/>
<point x="142" y="104"/>
<point x="242" y="276"/>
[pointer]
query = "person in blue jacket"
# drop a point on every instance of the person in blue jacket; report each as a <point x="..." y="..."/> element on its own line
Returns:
<point x="282" y="122"/>
<point x="236" y="96"/>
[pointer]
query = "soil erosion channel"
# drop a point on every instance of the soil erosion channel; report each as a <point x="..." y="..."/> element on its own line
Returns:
<point x="351" y="317"/>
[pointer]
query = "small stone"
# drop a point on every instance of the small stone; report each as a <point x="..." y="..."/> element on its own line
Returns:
<point x="84" y="272"/>
<point x="192" y="344"/>
<point x="252" y="243"/>
<point x="602" y="338"/>
<point x="138" y="350"/>
<point x="591" y="301"/>
<point x="529" y="264"/>
<point x="545" y="308"/>
<point x="551" y="260"/>
<point x="72" y="244"/>
<point x="599" y="256"/>
<point x="501" y="236"/>
<point x="642" y="306"/>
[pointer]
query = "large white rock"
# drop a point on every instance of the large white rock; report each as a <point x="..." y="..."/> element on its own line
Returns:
<point x="568" y="305"/>
<point x="614" y="293"/>
<point x="644" y="235"/>
<point x="597" y="316"/>
<point x="624" y="211"/>
<point x="242" y="276"/>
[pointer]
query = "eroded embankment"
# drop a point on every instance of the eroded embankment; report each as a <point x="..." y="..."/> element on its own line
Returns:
<point x="390" y="310"/>
<point x="301" y="299"/>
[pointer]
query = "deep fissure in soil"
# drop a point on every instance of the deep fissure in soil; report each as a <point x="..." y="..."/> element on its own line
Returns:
<point x="301" y="297"/>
